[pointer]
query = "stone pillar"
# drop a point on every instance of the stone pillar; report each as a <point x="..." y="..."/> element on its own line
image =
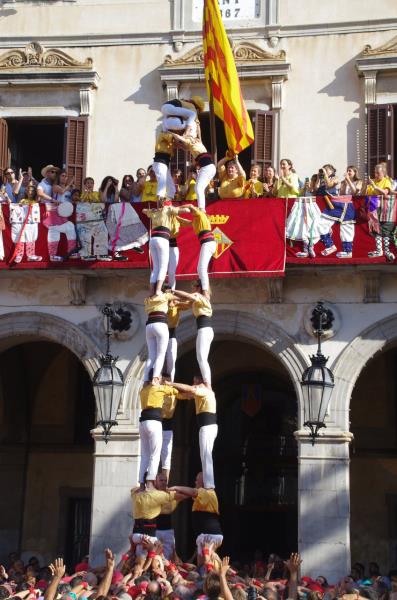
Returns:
<point x="115" y="473"/>
<point x="324" y="504"/>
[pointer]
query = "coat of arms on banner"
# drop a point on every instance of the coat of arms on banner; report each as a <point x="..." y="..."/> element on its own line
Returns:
<point x="222" y="241"/>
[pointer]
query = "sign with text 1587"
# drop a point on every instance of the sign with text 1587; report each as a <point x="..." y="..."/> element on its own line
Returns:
<point x="231" y="10"/>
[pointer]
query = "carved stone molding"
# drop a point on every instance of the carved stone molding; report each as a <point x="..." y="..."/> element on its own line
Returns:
<point x="171" y="89"/>
<point x="277" y="91"/>
<point x="370" y="87"/>
<point x="274" y="289"/>
<point x="77" y="289"/>
<point x="372" y="281"/>
<point x="242" y="52"/>
<point x="35" y="56"/>
<point x="85" y="103"/>
<point x="388" y="48"/>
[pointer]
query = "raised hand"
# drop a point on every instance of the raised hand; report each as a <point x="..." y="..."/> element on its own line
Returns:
<point x="109" y="559"/>
<point x="293" y="563"/>
<point x="225" y="565"/>
<point x="58" y="568"/>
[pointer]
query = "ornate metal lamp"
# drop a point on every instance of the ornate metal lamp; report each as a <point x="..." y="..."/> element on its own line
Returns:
<point x="108" y="381"/>
<point x="317" y="380"/>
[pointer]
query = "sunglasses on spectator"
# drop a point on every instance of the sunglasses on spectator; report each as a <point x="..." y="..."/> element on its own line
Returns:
<point x="9" y="172"/>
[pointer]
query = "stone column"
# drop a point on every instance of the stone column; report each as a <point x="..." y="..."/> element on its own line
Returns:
<point x="324" y="504"/>
<point x="115" y="473"/>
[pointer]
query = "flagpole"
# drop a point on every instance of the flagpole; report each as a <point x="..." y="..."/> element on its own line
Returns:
<point x="214" y="149"/>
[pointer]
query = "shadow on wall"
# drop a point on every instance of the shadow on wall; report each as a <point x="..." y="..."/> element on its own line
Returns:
<point x="149" y="89"/>
<point x="7" y="12"/>
<point x="347" y="85"/>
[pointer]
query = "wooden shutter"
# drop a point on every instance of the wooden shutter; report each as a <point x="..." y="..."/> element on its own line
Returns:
<point x="4" y="151"/>
<point x="76" y="148"/>
<point x="262" y="150"/>
<point x="380" y="137"/>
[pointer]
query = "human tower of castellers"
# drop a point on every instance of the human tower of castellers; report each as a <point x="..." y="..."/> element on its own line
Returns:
<point x="153" y="501"/>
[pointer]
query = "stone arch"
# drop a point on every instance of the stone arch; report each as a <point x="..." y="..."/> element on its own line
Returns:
<point x="240" y="325"/>
<point x="26" y="326"/>
<point x="352" y="361"/>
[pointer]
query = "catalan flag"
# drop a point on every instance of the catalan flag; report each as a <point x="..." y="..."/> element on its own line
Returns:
<point x="222" y="79"/>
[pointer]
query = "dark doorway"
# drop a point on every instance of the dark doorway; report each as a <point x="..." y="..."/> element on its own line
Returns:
<point x="255" y="453"/>
<point x="77" y="530"/>
<point x="36" y="143"/>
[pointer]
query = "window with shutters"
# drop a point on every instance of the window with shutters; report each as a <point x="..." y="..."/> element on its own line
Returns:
<point x="262" y="149"/>
<point x="76" y="148"/>
<point x="380" y="134"/>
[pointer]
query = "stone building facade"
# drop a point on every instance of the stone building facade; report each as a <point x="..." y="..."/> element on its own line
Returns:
<point x="318" y="70"/>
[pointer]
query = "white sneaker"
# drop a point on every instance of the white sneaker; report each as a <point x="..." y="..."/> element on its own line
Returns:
<point x="328" y="251"/>
<point x="302" y="254"/>
<point x="18" y="258"/>
<point x="35" y="258"/>
<point x="344" y="254"/>
<point x="55" y="258"/>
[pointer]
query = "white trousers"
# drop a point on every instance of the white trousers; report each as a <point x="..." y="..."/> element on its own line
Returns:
<point x="169" y="110"/>
<point x="151" y="434"/>
<point x="166" y="449"/>
<point x="172" y="266"/>
<point x="157" y="341"/>
<point x="209" y="538"/>
<point x="68" y="228"/>
<point x="170" y="357"/>
<point x="204" y="177"/>
<point x="207" y="251"/>
<point x="167" y="538"/>
<point x="346" y="231"/>
<point x="165" y="184"/>
<point x="173" y="123"/>
<point x="159" y="251"/>
<point x="205" y="335"/>
<point x="137" y="539"/>
<point x="207" y="437"/>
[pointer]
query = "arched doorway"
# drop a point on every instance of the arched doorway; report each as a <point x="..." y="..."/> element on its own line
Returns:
<point x="255" y="454"/>
<point x="46" y="413"/>
<point x="373" y="469"/>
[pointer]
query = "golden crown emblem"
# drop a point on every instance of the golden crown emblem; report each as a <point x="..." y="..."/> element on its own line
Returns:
<point x="218" y="219"/>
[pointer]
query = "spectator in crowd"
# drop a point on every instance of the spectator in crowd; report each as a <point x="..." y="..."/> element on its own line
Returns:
<point x="24" y="219"/>
<point x="25" y="177"/>
<point x="232" y="178"/>
<point x="327" y="181"/>
<point x="109" y="190"/>
<point x="177" y="178"/>
<point x="62" y="188"/>
<point x="287" y="182"/>
<point x="190" y="187"/>
<point x="269" y="180"/>
<point x="254" y="187"/>
<point x="11" y="184"/>
<point x="309" y="186"/>
<point x="382" y="214"/>
<point x="351" y="184"/>
<point x="149" y="191"/>
<point x="127" y="188"/>
<point x="88" y="194"/>
<point x="138" y="185"/>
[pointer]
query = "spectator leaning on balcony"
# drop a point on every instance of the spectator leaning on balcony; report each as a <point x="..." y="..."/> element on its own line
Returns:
<point x="149" y="190"/>
<point x="351" y="184"/>
<point x="254" y="187"/>
<point x="138" y="185"/>
<point x="109" y="190"/>
<point x="88" y="194"/>
<point x="269" y="180"/>
<point x="382" y="214"/>
<point x="10" y="183"/>
<point x="55" y="222"/>
<point x="232" y="177"/>
<point x="24" y="219"/>
<point x="287" y="182"/>
<point x="127" y="188"/>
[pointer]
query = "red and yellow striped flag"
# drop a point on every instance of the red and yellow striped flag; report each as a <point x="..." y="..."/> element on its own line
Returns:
<point x="221" y="75"/>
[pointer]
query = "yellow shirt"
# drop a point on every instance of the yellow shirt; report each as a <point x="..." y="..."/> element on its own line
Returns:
<point x="174" y="314"/>
<point x="169" y="406"/>
<point x="384" y="184"/>
<point x="280" y="190"/>
<point x="230" y="188"/>
<point x="206" y="501"/>
<point x="201" y="306"/>
<point x="90" y="197"/>
<point x="162" y="217"/>
<point x="158" y="303"/>
<point x="256" y="191"/>
<point x="152" y="396"/>
<point x="149" y="192"/>
<point x="201" y="221"/>
<point x="169" y="507"/>
<point x="204" y="400"/>
<point x="147" y="505"/>
<point x="191" y="195"/>
<point x="176" y="225"/>
<point x="165" y="143"/>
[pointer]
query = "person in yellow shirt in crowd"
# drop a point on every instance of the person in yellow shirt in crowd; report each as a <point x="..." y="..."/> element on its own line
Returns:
<point x="88" y="194"/>
<point x="149" y="187"/>
<point x="202" y="311"/>
<point x="150" y="430"/>
<point x="205" y="514"/>
<point x="205" y="403"/>
<point x="382" y="211"/>
<point x="162" y="221"/>
<point x="254" y="187"/>
<point x="232" y="178"/>
<point x="287" y="182"/>
<point x="190" y="186"/>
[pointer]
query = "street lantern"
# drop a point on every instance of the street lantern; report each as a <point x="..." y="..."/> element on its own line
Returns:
<point x="317" y="380"/>
<point x="108" y="383"/>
